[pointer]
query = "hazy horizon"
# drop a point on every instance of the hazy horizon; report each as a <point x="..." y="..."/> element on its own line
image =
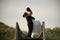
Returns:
<point x="11" y="11"/>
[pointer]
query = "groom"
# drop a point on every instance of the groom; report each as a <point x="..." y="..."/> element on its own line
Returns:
<point x="29" y="18"/>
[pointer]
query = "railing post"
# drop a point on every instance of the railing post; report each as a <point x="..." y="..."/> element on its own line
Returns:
<point x="18" y="32"/>
<point x="43" y="25"/>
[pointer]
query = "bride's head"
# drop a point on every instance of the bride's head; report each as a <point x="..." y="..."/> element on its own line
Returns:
<point x="28" y="9"/>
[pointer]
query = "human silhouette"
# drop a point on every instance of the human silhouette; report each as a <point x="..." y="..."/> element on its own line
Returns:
<point x="29" y="18"/>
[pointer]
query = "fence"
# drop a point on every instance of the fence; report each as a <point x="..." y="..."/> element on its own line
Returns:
<point x="19" y="34"/>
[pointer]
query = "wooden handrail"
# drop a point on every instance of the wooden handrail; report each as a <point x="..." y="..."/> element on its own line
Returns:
<point x="19" y="32"/>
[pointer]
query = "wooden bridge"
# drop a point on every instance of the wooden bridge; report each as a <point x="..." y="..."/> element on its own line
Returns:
<point x="20" y="35"/>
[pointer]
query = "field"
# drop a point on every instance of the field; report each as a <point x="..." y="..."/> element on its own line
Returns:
<point x="8" y="33"/>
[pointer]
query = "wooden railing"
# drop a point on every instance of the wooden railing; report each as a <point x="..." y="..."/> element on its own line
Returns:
<point x="20" y="37"/>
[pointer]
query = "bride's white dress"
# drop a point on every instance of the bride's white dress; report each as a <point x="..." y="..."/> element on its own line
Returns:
<point x="37" y="26"/>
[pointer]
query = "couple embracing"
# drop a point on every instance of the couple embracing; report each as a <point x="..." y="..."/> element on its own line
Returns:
<point x="29" y="18"/>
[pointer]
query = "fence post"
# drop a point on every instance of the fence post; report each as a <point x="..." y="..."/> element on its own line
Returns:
<point x="18" y="32"/>
<point x="43" y="25"/>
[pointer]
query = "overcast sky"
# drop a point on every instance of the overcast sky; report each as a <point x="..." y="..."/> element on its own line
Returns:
<point x="11" y="11"/>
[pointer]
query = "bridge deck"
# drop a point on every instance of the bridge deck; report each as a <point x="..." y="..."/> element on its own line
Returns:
<point x="31" y="39"/>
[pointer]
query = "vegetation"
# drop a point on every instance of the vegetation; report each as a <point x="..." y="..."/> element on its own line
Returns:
<point x="8" y="33"/>
<point x="52" y="34"/>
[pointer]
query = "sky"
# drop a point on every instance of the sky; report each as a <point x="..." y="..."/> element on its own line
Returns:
<point x="11" y="11"/>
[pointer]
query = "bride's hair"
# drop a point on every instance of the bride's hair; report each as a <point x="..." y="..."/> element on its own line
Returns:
<point x="28" y="9"/>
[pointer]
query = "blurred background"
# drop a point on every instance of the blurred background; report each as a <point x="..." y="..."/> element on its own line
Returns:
<point x="11" y="11"/>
